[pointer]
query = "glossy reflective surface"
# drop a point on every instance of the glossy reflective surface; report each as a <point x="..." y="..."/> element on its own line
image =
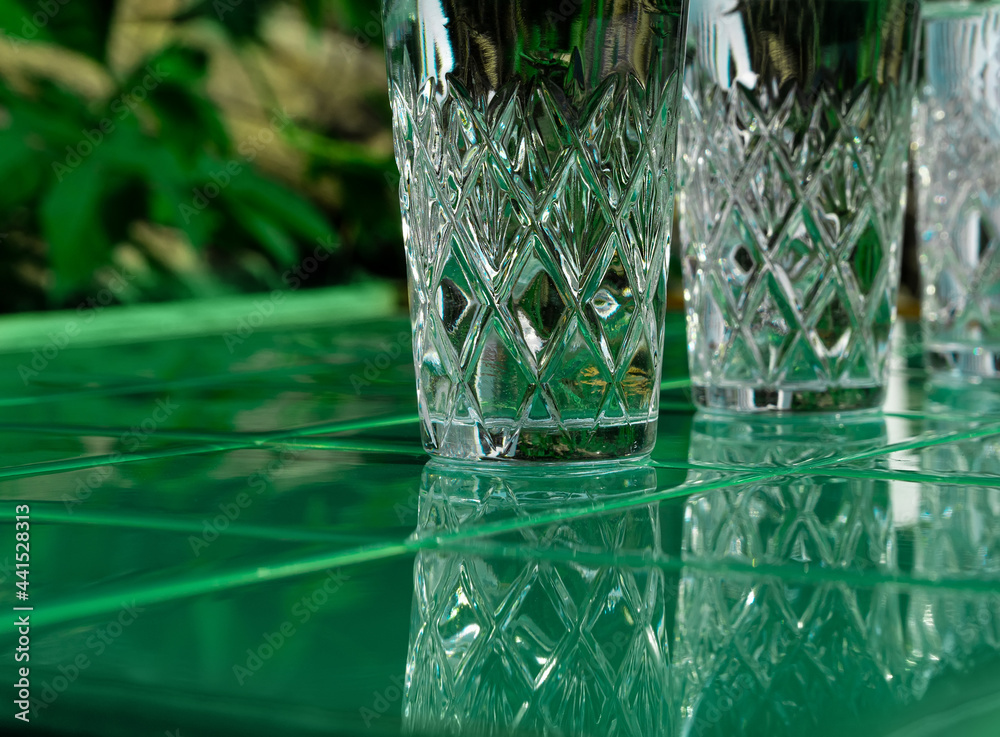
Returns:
<point x="252" y="542"/>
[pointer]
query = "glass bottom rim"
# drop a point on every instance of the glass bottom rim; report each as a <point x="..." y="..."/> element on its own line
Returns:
<point x="761" y="400"/>
<point x="533" y="445"/>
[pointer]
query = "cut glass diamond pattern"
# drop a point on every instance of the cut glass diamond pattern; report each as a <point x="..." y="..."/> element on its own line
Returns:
<point x="537" y="305"/>
<point x="637" y="383"/>
<point x="501" y="382"/>
<point x="456" y="305"/>
<point x="536" y="225"/>
<point x="613" y="304"/>
<point x="867" y="256"/>
<point x="776" y="194"/>
<point x="577" y="222"/>
<point x="798" y="257"/>
<point x="575" y="378"/>
<point x="773" y="326"/>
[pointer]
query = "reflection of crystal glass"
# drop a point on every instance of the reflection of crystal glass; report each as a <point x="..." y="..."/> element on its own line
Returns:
<point x="957" y="134"/>
<point x="958" y="535"/>
<point x="791" y="647"/>
<point x="800" y="604"/>
<point x="503" y="643"/>
<point x="535" y="142"/>
<point x="792" y="166"/>
<point x="783" y="654"/>
<point x="954" y="402"/>
<point x="782" y="440"/>
<point x="788" y="653"/>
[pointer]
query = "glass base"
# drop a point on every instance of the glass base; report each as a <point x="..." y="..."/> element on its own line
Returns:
<point x="756" y="399"/>
<point x="964" y="361"/>
<point x="543" y="443"/>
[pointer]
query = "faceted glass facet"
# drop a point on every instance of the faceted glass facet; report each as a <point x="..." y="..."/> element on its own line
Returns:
<point x="536" y="150"/>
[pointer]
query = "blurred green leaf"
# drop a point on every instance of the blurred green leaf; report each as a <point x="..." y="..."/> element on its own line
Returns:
<point x="280" y="204"/>
<point x="52" y="119"/>
<point x="314" y="11"/>
<point x="199" y="225"/>
<point x="239" y="18"/>
<point x="169" y="185"/>
<point x="171" y="84"/>
<point x="78" y="242"/>
<point x="178" y="65"/>
<point x="83" y="172"/>
<point x="267" y="232"/>
<point x="17" y="23"/>
<point x="83" y="27"/>
<point x="21" y="164"/>
<point x="356" y="15"/>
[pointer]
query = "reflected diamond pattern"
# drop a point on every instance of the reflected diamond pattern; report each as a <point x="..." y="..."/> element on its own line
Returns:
<point x="543" y="243"/>
<point x="957" y="537"/>
<point x="535" y="646"/>
<point x="781" y="241"/>
<point x="778" y="654"/>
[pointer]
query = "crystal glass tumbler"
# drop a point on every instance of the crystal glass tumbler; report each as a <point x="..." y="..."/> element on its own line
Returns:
<point x="535" y="141"/>
<point x="792" y="168"/>
<point x="957" y="137"/>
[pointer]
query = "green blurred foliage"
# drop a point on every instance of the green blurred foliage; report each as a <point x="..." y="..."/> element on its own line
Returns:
<point x="82" y="172"/>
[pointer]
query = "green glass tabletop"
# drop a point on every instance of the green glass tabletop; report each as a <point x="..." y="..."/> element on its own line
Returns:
<point x="234" y="530"/>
